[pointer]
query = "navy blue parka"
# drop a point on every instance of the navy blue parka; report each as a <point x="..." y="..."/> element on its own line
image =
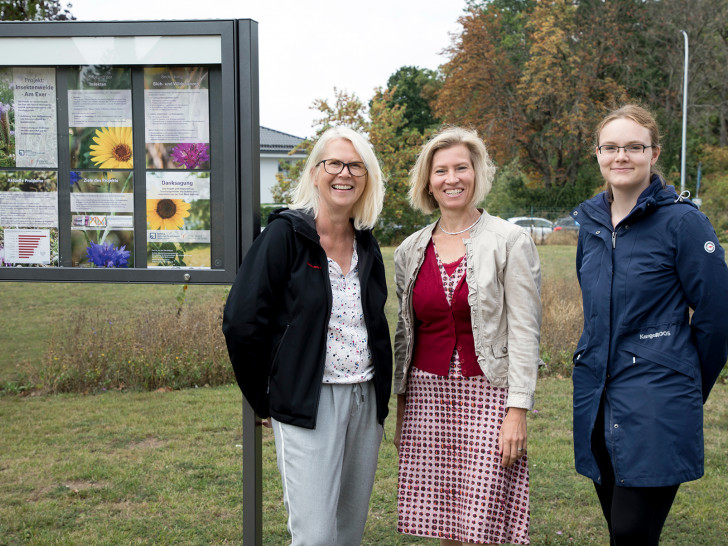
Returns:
<point x="640" y="351"/>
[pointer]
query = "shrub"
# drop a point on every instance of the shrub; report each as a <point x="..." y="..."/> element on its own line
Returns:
<point x="561" y="325"/>
<point x="562" y="237"/>
<point x="172" y="348"/>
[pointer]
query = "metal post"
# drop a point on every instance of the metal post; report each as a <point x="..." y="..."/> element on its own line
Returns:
<point x="252" y="479"/>
<point x="685" y="116"/>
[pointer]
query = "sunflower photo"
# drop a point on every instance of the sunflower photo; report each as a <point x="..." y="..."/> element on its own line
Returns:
<point x="7" y="119"/>
<point x="100" y="118"/>
<point x="178" y="219"/>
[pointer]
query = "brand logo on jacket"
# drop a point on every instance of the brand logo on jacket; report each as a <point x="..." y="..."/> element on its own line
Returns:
<point x="709" y="247"/>
<point x="656" y="334"/>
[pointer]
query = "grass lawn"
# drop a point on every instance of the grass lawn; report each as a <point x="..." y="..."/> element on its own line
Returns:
<point x="165" y="468"/>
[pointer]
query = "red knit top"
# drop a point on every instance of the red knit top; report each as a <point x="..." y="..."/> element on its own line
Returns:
<point x="441" y="328"/>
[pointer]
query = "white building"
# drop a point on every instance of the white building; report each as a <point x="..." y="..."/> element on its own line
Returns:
<point x="274" y="147"/>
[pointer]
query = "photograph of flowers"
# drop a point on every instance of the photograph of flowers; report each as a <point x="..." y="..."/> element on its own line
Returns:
<point x="177" y="119"/>
<point x="178" y="219"/>
<point x="99" y="118"/>
<point x="102" y="219"/>
<point x="28" y="218"/>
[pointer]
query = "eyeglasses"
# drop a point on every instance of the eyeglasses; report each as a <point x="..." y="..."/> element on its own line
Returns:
<point x="632" y="149"/>
<point x="335" y="166"/>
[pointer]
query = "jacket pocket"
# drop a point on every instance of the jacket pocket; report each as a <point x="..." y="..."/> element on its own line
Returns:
<point x="676" y="361"/>
<point x="499" y="356"/>
<point x="274" y="357"/>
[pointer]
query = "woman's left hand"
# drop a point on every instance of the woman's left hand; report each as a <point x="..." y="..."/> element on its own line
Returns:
<point x="512" y="439"/>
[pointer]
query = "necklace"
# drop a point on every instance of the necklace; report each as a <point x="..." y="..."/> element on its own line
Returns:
<point x="471" y="226"/>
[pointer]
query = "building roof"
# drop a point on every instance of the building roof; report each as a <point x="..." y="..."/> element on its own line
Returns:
<point x="272" y="141"/>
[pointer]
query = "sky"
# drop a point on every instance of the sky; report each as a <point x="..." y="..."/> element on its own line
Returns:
<point x="308" y="48"/>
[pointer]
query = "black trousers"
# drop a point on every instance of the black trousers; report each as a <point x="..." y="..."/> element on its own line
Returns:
<point x="635" y="515"/>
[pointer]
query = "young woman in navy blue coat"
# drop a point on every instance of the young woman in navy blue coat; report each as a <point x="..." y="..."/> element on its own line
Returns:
<point x="643" y="368"/>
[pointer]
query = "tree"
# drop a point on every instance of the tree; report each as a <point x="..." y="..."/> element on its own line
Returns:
<point x="534" y="78"/>
<point x="415" y="89"/>
<point x="35" y="10"/>
<point x="397" y="145"/>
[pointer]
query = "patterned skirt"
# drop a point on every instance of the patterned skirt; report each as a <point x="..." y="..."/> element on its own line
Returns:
<point x="451" y="484"/>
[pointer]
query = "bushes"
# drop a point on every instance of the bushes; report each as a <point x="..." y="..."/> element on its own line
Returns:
<point x="167" y="348"/>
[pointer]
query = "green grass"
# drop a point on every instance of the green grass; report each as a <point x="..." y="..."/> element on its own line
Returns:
<point x="165" y="467"/>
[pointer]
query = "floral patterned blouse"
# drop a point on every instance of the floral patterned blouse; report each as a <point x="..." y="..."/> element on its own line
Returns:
<point x="348" y="357"/>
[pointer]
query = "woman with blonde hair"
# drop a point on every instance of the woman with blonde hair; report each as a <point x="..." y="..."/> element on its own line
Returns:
<point x="466" y="354"/>
<point x="309" y="341"/>
<point x="643" y="367"/>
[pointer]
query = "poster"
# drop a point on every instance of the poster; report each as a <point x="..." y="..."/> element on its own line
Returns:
<point x="102" y="219"/>
<point x="177" y="118"/>
<point x="28" y="218"/>
<point x="28" y="135"/>
<point x="178" y="219"/>
<point x="99" y="118"/>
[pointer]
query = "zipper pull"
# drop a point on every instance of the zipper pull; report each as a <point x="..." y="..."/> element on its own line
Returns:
<point x="614" y="239"/>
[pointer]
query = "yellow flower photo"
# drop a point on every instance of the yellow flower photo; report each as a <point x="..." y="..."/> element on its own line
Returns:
<point x="167" y="213"/>
<point x="113" y="148"/>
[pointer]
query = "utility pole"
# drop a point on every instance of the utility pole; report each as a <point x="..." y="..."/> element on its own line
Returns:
<point x="685" y="116"/>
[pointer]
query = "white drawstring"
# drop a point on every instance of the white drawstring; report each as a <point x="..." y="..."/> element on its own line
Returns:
<point x="683" y="195"/>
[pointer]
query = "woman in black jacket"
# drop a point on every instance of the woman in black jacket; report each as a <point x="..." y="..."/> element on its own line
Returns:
<point x="309" y="341"/>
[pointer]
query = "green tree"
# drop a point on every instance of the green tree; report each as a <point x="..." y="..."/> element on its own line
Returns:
<point x="415" y="89"/>
<point x="35" y="10"/>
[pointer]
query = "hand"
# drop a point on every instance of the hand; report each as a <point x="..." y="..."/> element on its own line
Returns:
<point x="512" y="439"/>
<point x="265" y="422"/>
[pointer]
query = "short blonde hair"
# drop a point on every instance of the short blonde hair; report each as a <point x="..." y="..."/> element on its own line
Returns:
<point x="367" y="208"/>
<point x="419" y="195"/>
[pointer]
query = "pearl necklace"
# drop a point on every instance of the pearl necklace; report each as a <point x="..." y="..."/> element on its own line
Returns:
<point x="471" y="226"/>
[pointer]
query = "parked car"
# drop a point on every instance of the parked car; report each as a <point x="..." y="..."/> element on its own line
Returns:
<point x="567" y="223"/>
<point x="539" y="228"/>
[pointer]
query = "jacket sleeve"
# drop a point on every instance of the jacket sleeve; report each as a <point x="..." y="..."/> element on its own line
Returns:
<point x="251" y="308"/>
<point x="522" y="291"/>
<point x="701" y="267"/>
<point x="400" y="340"/>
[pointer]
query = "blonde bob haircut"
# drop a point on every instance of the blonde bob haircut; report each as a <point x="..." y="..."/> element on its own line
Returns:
<point x="419" y="192"/>
<point x="367" y="208"/>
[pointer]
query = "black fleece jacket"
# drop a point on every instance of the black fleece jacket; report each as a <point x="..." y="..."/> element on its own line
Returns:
<point x="277" y="315"/>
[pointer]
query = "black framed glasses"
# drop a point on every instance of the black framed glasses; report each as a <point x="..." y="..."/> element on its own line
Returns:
<point x="634" y="149"/>
<point x="335" y="166"/>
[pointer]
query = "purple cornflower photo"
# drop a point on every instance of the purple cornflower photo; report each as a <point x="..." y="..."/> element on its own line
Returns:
<point x="190" y="155"/>
<point x="106" y="255"/>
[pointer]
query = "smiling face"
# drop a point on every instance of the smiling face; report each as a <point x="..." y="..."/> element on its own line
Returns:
<point x="452" y="178"/>
<point x="622" y="170"/>
<point x="338" y="193"/>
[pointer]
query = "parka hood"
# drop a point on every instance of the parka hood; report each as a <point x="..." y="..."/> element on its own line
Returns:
<point x="656" y="195"/>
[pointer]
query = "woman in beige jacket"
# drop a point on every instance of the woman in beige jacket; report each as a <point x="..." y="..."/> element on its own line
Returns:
<point x="466" y="354"/>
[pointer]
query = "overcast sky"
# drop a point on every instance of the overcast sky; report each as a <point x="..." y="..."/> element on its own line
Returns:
<point x="300" y="42"/>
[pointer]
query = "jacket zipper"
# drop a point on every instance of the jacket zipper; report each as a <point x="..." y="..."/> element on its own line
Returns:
<point x="614" y="239"/>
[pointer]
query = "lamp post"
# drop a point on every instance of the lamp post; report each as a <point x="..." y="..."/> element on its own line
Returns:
<point x="685" y="116"/>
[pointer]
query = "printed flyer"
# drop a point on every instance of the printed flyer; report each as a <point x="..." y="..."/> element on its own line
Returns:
<point x="102" y="219"/>
<point x="99" y="118"/>
<point x="177" y="118"/>
<point x="28" y="135"/>
<point x="28" y="218"/>
<point x="178" y="219"/>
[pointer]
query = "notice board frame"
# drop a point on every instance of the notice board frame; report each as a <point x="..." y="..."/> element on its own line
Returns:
<point x="234" y="145"/>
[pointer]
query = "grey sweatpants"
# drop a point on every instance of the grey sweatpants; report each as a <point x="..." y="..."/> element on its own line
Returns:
<point x="328" y="472"/>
